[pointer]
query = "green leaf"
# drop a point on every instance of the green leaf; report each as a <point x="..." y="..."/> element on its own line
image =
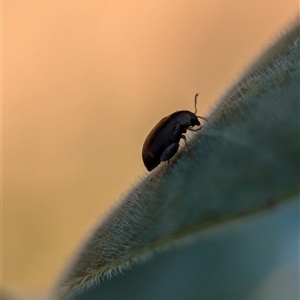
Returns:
<point x="244" y="161"/>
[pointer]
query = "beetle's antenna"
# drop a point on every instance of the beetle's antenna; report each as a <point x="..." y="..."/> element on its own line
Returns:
<point x="196" y="109"/>
<point x="196" y="103"/>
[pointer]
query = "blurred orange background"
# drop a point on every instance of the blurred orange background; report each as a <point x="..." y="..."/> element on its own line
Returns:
<point x="83" y="82"/>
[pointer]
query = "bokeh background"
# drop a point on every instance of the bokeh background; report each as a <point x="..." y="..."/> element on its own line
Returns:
<point x="83" y="82"/>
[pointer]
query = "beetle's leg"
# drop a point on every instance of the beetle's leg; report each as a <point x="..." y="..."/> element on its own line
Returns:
<point x="195" y="129"/>
<point x="169" y="152"/>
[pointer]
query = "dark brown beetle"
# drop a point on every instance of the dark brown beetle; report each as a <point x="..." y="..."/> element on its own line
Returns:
<point x="163" y="140"/>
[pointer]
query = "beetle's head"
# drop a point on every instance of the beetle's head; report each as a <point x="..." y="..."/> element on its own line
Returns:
<point x="194" y="120"/>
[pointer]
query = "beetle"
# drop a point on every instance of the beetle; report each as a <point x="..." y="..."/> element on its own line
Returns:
<point x="162" y="142"/>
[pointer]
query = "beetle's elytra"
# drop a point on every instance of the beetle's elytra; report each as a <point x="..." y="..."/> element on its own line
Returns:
<point x="163" y="140"/>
